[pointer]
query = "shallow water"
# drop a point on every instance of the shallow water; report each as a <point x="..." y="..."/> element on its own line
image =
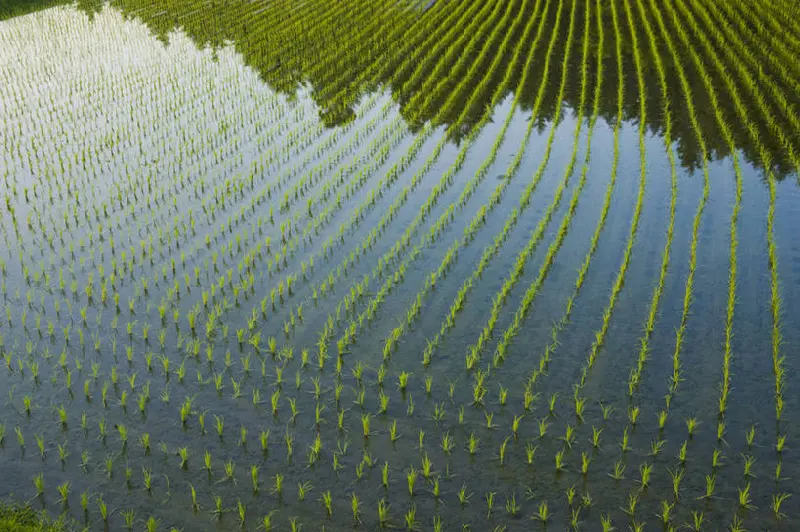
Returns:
<point x="190" y="157"/>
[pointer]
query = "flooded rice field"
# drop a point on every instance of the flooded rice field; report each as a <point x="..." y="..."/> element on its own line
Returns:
<point x="501" y="265"/>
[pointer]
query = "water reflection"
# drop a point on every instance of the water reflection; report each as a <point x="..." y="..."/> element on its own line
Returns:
<point x="289" y="43"/>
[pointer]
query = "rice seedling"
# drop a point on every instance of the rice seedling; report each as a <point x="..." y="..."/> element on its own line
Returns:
<point x="129" y="516"/>
<point x="411" y="480"/>
<point x="447" y="445"/>
<point x="85" y="501"/>
<point x="229" y="468"/>
<point x="38" y="482"/>
<point x="698" y="518"/>
<point x="103" y="508"/>
<point x="183" y="453"/>
<point x="84" y="461"/>
<point x="530" y="453"/>
<point x="355" y="506"/>
<point x="384" y="403"/>
<point x="410" y="518"/>
<point x="645" y="472"/>
<point x="717" y="458"/>
<point x="777" y="500"/>
<point x="218" y="511"/>
<point x="501" y="456"/>
<point x="195" y="505"/>
<point x="745" y="499"/>
<point x="266" y="521"/>
<point x="619" y="471"/>
<point x="691" y="425"/>
<point x="327" y="501"/>
<point x="779" y="446"/>
<point x="543" y="425"/>
<point x="569" y="436"/>
<point x="750" y="436"/>
<point x="463" y="496"/>
<point x="711" y="482"/>
<point x="676" y="476"/>
<point x="63" y="454"/>
<point x="624" y="442"/>
<point x="585" y="461"/>
<point x="383" y="513"/>
<point x="365" y="426"/>
<point x="277" y="489"/>
<point x="489" y="496"/>
<point x="40" y="445"/>
<point x="242" y="513"/>
<point x="656" y="446"/>
<point x="543" y="513"/>
<point x="559" y="461"/>
<point x="512" y="507"/>
<point x="288" y="439"/>
<point x="633" y="415"/>
<point x="633" y="501"/>
<point x="570" y="493"/>
<point x="682" y="452"/>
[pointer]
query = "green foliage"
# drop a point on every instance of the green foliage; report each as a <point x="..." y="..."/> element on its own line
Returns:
<point x="25" y="519"/>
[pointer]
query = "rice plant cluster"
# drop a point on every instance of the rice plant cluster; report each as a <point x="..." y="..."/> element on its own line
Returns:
<point x="500" y="265"/>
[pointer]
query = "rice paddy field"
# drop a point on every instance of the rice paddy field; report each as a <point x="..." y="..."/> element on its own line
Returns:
<point x="401" y="264"/>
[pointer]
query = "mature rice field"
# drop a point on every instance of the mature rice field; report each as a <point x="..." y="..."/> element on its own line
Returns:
<point x="450" y="265"/>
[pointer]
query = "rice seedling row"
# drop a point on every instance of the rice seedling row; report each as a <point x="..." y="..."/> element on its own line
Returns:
<point x="434" y="232"/>
<point x="775" y="301"/>
<point x="674" y="380"/>
<point x="771" y="15"/>
<point x="353" y="257"/>
<point x="429" y="96"/>
<point x="480" y="388"/>
<point x="559" y="326"/>
<point x="731" y="301"/>
<point x="597" y="343"/>
<point x="435" y="29"/>
<point x="750" y="83"/>
<point x="473" y="226"/>
<point x="474" y="350"/>
<point x="404" y="31"/>
<point x="771" y="48"/>
<point x="406" y="238"/>
<point x="635" y="377"/>
<point x="479" y="219"/>
<point x="579" y="400"/>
